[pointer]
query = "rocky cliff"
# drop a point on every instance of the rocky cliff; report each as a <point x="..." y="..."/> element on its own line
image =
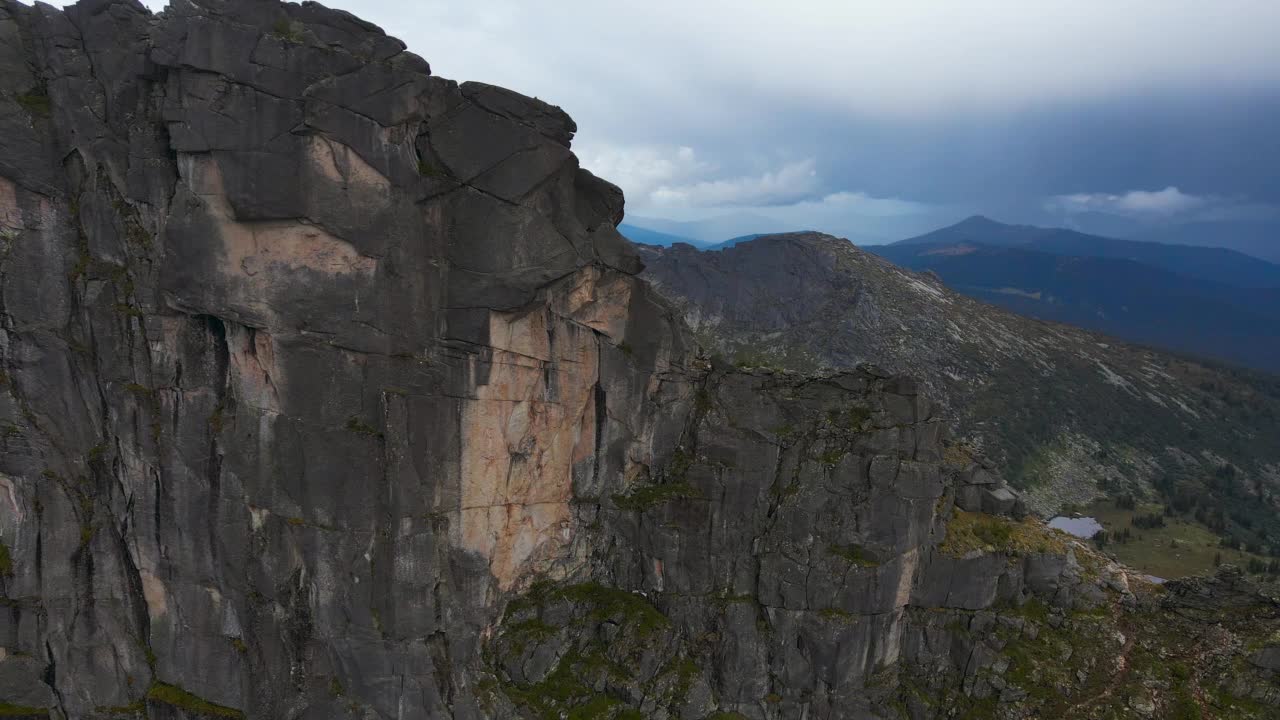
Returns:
<point x="1069" y="415"/>
<point x="330" y="390"/>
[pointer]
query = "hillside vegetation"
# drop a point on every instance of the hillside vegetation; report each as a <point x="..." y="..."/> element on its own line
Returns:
<point x="1068" y="415"/>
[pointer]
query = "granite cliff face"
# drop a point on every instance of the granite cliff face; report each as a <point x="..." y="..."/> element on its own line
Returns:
<point x="330" y="390"/>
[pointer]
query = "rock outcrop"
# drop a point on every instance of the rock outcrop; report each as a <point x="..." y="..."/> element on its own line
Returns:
<point x="330" y="390"/>
<point x="1067" y="414"/>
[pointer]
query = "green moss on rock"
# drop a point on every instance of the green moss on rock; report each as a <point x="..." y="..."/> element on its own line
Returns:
<point x="22" y="711"/>
<point x="969" y="531"/>
<point x="177" y="697"/>
<point x="286" y="30"/>
<point x="648" y="496"/>
<point x="563" y="694"/>
<point x="854" y="555"/>
<point x="608" y="602"/>
<point x="356" y="425"/>
<point x="6" y="561"/>
<point x="36" y="103"/>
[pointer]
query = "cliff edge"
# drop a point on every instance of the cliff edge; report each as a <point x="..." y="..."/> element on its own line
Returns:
<point x="330" y="390"/>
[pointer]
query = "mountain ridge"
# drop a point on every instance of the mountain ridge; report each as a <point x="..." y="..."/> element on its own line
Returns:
<point x="645" y="236"/>
<point x="1030" y="392"/>
<point x="1258" y="238"/>
<point x="1119" y="296"/>
<point x="1208" y="263"/>
<point x="711" y="230"/>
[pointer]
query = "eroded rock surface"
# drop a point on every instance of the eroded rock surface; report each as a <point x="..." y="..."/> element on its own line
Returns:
<point x="330" y="390"/>
<point x="307" y="354"/>
<point x="806" y="552"/>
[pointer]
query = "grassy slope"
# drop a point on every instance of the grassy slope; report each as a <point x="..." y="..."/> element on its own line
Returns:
<point x="1183" y="547"/>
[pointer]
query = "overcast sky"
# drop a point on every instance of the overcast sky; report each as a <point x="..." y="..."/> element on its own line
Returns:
<point x="873" y="119"/>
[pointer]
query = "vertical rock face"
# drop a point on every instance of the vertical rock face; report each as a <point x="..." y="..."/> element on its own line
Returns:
<point x="329" y="390"/>
<point x="307" y="353"/>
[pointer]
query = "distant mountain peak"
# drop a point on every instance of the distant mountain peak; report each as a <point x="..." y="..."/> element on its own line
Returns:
<point x="979" y="220"/>
<point x="1214" y="264"/>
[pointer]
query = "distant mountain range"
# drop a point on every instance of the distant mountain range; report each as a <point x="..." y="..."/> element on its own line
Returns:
<point x="1256" y="233"/>
<point x="1211" y="302"/>
<point x="645" y="236"/>
<point x="701" y="233"/>
<point x="1208" y="263"/>
<point x="1259" y="238"/>
<point x="731" y="242"/>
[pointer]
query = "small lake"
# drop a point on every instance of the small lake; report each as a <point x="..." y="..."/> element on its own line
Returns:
<point x="1081" y="527"/>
